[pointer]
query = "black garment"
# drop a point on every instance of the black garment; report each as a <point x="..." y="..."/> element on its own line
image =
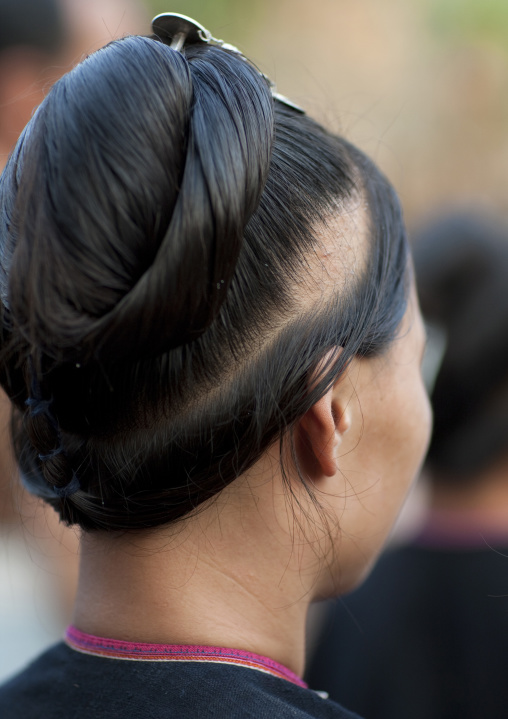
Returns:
<point x="426" y="637"/>
<point x="65" y="684"/>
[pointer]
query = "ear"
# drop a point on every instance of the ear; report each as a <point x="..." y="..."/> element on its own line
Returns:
<point x="320" y="433"/>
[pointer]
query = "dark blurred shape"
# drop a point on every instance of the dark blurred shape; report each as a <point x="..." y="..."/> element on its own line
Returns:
<point x="462" y="270"/>
<point x="32" y="23"/>
<point x="426" y="636"/>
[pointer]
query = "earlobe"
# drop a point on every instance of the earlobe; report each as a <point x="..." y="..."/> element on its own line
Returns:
<point x="321" y="432"/>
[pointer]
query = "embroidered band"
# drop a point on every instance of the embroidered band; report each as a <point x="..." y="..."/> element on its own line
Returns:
<point x="116" y="649"/>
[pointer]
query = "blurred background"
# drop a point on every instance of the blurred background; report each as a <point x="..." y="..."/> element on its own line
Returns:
<point x="421" y="86"/>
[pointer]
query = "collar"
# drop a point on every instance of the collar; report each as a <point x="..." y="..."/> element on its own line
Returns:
<point x="140" y="652"/>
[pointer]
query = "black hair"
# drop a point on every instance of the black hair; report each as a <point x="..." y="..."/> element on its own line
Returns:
<point x="157" y="215"/>
<point x="461" y="264"/>
<point x="37" y="24"/>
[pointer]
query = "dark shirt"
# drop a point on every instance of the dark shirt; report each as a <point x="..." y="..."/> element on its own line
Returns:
<point x="66" y="684"/>
<point x="426" y="637"/>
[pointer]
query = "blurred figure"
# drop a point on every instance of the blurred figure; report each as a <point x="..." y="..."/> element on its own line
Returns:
<point x="42" y="39"/>
<point x="427" y="634"/>
<point x="32" y="37"/>
<point x="39" y="41"/>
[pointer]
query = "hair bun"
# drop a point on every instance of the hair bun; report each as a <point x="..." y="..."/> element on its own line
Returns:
<point x="142" y="168"/>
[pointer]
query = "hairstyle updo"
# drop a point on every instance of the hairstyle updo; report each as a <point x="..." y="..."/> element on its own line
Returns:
<point x="156" y="216"/>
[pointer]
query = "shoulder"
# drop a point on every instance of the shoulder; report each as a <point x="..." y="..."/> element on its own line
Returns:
<point x="63" y="682"/>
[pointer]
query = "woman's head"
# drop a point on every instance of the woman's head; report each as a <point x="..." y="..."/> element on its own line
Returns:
<point x="187" y="267"/>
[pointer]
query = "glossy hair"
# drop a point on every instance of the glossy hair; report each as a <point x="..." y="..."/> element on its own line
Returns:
<point x="461" y="263"/>
<point x="157" y="218"/>
<point x="36" y="24"/>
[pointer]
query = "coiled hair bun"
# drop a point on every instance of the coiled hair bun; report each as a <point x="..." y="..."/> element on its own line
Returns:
<point x="157" y="218"/>
<point x="146" y="220"/>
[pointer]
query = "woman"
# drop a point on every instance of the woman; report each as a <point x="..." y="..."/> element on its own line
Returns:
<point x="212" y="345"/>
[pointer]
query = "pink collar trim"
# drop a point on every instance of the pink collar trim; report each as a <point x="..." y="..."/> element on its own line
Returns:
<point x="116" y="649"/>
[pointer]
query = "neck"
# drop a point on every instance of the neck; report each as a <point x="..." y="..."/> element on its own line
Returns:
<point x="210" y="583"/>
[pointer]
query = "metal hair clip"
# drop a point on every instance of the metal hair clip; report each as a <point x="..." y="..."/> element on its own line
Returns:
<point x="179" y="30"/>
